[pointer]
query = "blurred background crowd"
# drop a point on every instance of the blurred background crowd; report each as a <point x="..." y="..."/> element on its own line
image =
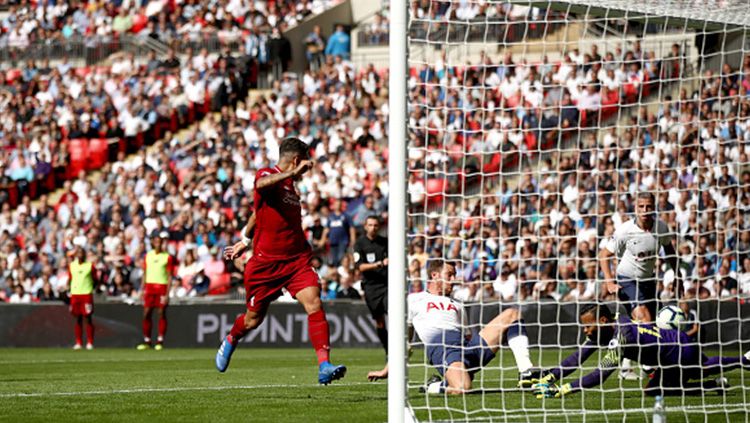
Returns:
<point x="516" y="169"/>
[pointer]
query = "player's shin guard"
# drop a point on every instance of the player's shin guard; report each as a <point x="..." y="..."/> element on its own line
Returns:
<point x="147" y="330"/>
<point x="79" y="331"/>
<point x="518" y="342"/>
<point x="317" y="326"/>
<point x="238" y="330"/>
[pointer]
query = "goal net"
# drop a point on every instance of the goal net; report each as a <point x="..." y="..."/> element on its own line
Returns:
<point x="532" y="129"/>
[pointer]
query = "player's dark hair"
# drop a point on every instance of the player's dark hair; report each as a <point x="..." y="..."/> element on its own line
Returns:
<point x="294" y="147"/>
<point x="436" y="266"/>
<point x="647" y="195"/>
<point x="373" y="217"/>
<point x="597" y="310"/>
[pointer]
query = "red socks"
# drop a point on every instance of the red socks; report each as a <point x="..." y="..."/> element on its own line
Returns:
<point x="162" y="328"/>
<point x="238" y="330"/>
<point x="90" y="332"/>
<point x="317" y="325"/>
<point x="147" y="329"/>
<point x="79" y="331"/>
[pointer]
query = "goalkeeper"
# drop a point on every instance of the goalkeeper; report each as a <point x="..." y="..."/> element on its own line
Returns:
<point x="679" y="364"/>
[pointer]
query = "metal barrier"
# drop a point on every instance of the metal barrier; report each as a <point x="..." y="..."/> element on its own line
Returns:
<point x="92" y="49"/>
<point x="481" y="30"/>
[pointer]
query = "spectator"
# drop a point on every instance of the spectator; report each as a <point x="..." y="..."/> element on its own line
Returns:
<point x="316" y="44"/>
<point x="339" y="44"/>
<point x="346" y="290"/>
<point x="20" y="296"/>
<point x="339" y="232"/>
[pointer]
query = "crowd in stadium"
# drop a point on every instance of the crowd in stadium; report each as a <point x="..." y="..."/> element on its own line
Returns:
<point x="532" y="234"/>
<point x="164" y="20"/>
<point x="198" y="187"/>
<point x="536" y="235"/>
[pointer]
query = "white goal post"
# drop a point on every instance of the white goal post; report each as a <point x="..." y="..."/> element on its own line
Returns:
<point x="520" y="136"/>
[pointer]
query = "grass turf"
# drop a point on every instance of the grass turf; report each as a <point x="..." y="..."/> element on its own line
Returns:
<point x="273" y="385"/>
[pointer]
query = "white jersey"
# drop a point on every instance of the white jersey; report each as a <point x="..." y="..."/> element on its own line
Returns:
<point x="638" y="249"/>
<point x="432" y="315"/>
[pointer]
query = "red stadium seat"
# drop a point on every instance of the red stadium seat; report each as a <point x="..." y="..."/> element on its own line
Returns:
<point x="435" y="189"/>
<point x="82" y="72"/>
<point x="98" y="153"/>
<point x="12" y="74"/>
<point x="219" y="284"/>
<point x="139" y="22"/>
<point x="79" y="156"/>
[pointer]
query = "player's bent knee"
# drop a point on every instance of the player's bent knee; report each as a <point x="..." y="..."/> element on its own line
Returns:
<point x="313" y="305"/>
<point x="510" y="315"/>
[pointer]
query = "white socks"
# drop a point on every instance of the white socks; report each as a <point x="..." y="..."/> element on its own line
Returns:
<point x="435" y="387"/>
<point x="626" y="365"/>
<point x="520" y="347"/>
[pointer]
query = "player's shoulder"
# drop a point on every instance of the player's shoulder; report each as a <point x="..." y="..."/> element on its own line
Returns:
<point x="627" y="227"/>
<point x="417" y="296"/>
<point x="265" y="171"/>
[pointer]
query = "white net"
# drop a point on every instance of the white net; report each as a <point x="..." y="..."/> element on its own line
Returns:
<point x="533" y="129"/>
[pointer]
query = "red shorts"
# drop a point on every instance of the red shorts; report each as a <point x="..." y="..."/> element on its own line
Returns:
<point x="81" y="305"/>
<point x="265" y="278"/>
<point x="155" y="295"/>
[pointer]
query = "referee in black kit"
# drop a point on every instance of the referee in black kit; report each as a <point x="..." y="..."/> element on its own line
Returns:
<point x="371" y="258"/>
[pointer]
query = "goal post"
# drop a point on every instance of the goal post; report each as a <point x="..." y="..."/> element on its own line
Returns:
<point x="397" y="136"/>
<point x="520" y="136"/>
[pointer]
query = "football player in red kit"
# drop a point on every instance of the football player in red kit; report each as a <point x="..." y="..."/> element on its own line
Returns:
<point x="281" y="259"/>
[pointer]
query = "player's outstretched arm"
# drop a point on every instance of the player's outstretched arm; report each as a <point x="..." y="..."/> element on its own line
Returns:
<point x="272" y="179"/>
<point x="595" y="378"/>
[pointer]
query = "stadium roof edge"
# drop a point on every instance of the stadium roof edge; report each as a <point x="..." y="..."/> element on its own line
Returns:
<point x="705" y="14"/>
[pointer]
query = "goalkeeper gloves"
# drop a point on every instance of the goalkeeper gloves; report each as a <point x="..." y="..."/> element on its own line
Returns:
<point x="547" y="390"/>
<point x="533" y="376"/>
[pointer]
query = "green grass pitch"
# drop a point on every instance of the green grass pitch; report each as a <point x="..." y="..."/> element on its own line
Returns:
<point x="280" y="385"/>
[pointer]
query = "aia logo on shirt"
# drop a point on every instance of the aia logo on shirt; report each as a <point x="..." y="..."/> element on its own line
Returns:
<point x="441" y="306"/>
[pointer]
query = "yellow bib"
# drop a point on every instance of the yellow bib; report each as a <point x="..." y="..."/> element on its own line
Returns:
<point x="81" y="278"/>
<point x="156" y="268"/>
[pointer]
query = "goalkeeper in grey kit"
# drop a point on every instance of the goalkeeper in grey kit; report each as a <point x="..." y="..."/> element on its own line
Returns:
<point x="679" y="365"/>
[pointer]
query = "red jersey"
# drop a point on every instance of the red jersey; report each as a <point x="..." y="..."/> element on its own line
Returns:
<point x="278" y="227"/>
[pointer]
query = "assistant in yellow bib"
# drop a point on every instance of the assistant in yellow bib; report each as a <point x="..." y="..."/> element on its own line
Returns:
<point x="157" y="267"/>
<point x="82" y="279"/>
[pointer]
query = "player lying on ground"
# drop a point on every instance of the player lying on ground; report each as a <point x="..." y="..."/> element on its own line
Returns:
<point x="281" y="259"/>
<point x="678" y="363"/>
<point x="439" y="322"/>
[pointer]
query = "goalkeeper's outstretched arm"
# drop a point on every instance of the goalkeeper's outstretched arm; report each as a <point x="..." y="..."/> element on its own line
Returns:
<point x="571" y="363"/>
<point x="607" y="366"/>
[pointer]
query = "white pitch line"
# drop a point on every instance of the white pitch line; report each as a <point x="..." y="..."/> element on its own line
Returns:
<point x="181" y="389"/>
<point x="690" y="409"/>
<point x="97" y="360"/>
